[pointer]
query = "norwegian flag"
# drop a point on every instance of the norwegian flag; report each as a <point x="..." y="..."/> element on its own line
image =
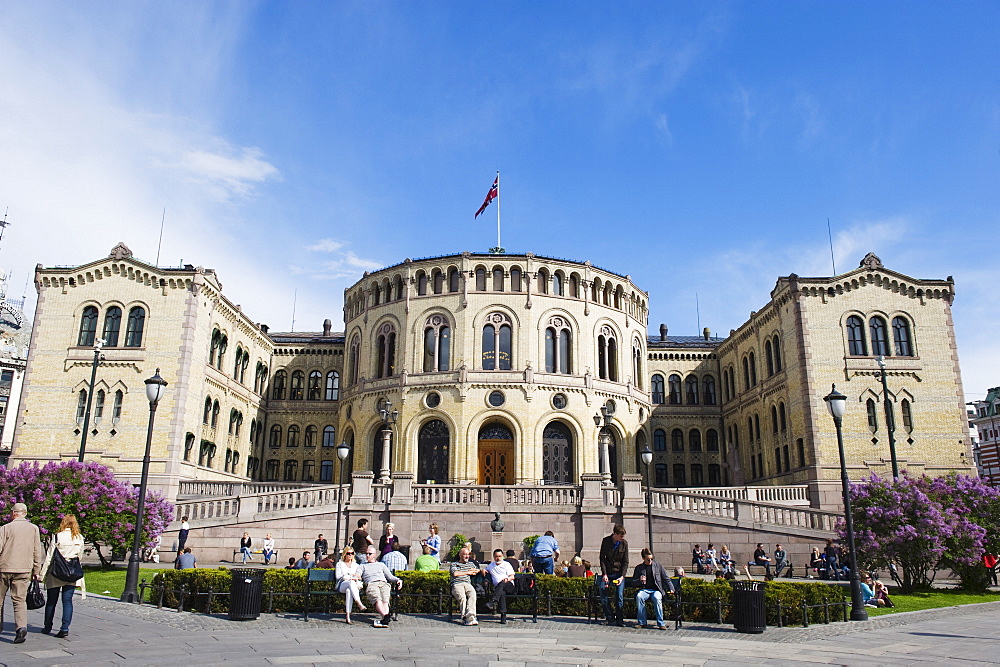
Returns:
<point x="490" y="196"/>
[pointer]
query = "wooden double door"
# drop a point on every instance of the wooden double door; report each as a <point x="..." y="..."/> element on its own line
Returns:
<point x="496" y="462"/>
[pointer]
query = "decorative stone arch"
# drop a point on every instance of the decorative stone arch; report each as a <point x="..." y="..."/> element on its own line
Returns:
<point x="434" y="438"/>
<point x="476" y="450"/>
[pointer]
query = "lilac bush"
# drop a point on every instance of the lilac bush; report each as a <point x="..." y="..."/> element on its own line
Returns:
<point x="104" y="506"/>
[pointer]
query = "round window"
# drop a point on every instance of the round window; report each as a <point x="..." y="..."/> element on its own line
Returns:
<point x="496" y="399"/>
<point x="433" y="399"/>
<point x="559" y="401"/>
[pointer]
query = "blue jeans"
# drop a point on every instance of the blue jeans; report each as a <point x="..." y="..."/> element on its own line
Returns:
<point x="544" y="565"/>
<point x="246" y="553"/>
<point x="619" y="595"/>
<point x="640" y="605"/>
<point x="267" y="556"/>
<point x="52" y="596"/>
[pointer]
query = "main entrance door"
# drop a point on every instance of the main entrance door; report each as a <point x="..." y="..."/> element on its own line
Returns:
<point x="496" y="455"/>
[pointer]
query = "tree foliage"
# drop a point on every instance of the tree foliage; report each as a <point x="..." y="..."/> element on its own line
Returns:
<point x="104" y="506"/>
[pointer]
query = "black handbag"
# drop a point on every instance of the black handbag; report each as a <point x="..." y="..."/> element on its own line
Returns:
<point x="35" y="598"/>
<point x="65" y="569"/>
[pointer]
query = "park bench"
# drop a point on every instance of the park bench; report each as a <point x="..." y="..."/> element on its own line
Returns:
<point x="316" y="576"/>
<point x="672" y="607"/>
<point x="483" y="582"/>
<point x="237" y="553"/>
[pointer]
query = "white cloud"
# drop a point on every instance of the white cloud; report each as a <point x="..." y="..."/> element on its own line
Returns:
<point x="230" y="172"/>
<point x="325" y="245"/>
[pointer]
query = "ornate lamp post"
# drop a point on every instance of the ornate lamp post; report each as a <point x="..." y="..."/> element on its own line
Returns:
<point x="647" y="458"/>
<point x="389" y="417"/>
<point x="343" y="450"/>
<point x="98" y="344"/>
<point x="836" y="403"/>
<point x="603" y="421"/>
<point x="155" y="386"/>
<point x="890" y="423"/>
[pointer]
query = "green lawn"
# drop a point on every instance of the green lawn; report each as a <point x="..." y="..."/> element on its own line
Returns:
<point x="112" y="582"/>
<point x="932" y="600"/>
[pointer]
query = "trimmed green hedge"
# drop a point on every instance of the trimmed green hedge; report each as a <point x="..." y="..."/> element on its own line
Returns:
<point x="423" y="592"/>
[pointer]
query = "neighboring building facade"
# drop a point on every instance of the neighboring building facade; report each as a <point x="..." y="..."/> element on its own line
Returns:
<point x="15" y="334"/>
<point x="985" y="418"/>
<point x="496" y="367"/>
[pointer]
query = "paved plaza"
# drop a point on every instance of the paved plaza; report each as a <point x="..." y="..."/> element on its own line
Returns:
<point x="105" y="631"/>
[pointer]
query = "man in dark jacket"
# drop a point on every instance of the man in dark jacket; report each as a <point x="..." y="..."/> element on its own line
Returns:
<point x="654" y="583"/>
<point x="614" y="565"/>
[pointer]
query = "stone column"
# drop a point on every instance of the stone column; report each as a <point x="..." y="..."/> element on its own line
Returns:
<point x="634" y="515"/>
<point x="595" y="517"/>
<point x="401" y="512"/>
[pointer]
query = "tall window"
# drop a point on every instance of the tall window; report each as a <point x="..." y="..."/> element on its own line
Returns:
<point x="438" y="281"/>
<point x="354" y="359"/>
<point x="326" y="471"/>
<point x="709" y="390"/>
<point x="208" y="411"/>
<point x="746" y="374"/>
<point x="878" y="333"/>
<point x="295" y="390"/>
<point x="557" y="284"/>
<point x="421" y="284"/>
<point x="453" y="280"/>
<point x="385" y="343"/>
<point x="496" y="352"/>
<point x="675" y="389"/>
<point x="275" y="439"/>
<point x="677" y="440"/>
<point x="714" y="474"/>
<point x="661" y="474"/>
<point x="557" y="453"/>
<point x="768" y="358"/>
<point x="497" y="279"/>
<point x="133" y="333"/>
<point x="88" y="327"/>
<point x="607" y="355"/>
<point x="329" y="436"/>
<point x="679" y="477"/>
<point x="907" y="411"/>
<point x="480" y="279"/>
<point x="216" y="408"/>
<point x="332" y="386"/>
<point x="188" y="446"/>
<point x="712" y="440"/>
<point x="278" y="386"/>
<point x="697" y="477"/>
<point x="437" y="344"/>
<point x="694" y="440"/>
<point x="691" y="386"/>
<point x="782" y="417"/>
<point x="112" y="323"/>
<point x="515" y="279"/>
<point x="293" y="436"/>
<point x="308" y="468"/>
<point x="433" y="443"/>
<point x="659" y="440"/>
<point x="271" y="470"/>
<point x="856" y="337"/>
<point x="656" y="386"/>
<point x="291" y="470"/>
<point x="99" y="407"/>
<point x="777" y="354"/>
<point x="901" y="337"/>
<point x="637" y="356"/>
<point x="116" y="412"/>
<point x="315" y="378"/>
<point x="558" y="343"/>
<point x="310" y="438"/>
<point x="753" y="369"/>
<point x="543" y="281"/>
<point x="872" y="415"/>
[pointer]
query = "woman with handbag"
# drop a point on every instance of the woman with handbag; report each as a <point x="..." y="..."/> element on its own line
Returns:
<point x="63" y="560"/>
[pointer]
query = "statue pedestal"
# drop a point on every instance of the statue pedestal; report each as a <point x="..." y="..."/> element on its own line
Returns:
<point x="496" y="542"/>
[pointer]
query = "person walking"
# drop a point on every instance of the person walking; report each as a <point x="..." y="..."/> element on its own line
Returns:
<point x="544" y="553"/>
<point x="182" y="536"/>
<point x="21" y="557"/>
<point x="614" y="565"/>
<point x="69" y="543"/>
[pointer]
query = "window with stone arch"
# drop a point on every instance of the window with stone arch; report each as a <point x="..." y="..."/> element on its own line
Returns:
<point x="901" y="337"/>
<point x="637" y="358"/>
<point x="437" y="344"/>
<point x="278" y="383"/>
<point x="385" y="349"/>
<point x="558" y="346"/>
<point x="674" y="383"/>
<point x="421" y="283"/>
<point x="398" y="282"/>
<point x="694" y="440"/>
<point x="543" y="281"/>
<point x="879" y="336"/>
<point x="708" y="390"/>
<point x="497" y="345"/>
<point x="310" y="437"/>
<point x="516" y="279"/>
<point x="136" y="322"/>
<point x="293" y="436"/>
<point x="315" y="381"/>
<point x="777" y="354"/>
<point x="856" y="337"/>
<point x="691" y="389"/>
<point x="498" y="279"/>
<point x="481" y="279"/>
<point x="574" y="286"/>
<point x="768" y="358"/>
<point x="712" y="440"/>
<point x="332" y="386"/>
<point x="557" y="453"/>
<point x="454" y="280"/>
<point x="607" y="354"/>
<point x="376" y="292"/>
<point x="112" y="324"/>
<point x="275" y="438"/>
<point x="656" y="387"/>
<point x="296" y="389"/>
<point x="677" y="440"/>
<point x="433" y="444"/>
<point x="88" y="327"/>
<point x="354" y="358"/>
<point x="558" y="283"/>
<point x="872" y="413"/>
<point x="437" y="281"/>
<point x="659" y="440"/>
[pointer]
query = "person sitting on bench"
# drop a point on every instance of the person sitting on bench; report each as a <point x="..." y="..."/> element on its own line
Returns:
<point x="761" y="558"/>
<point x="781" y="561"/>
<point x="502" y="575"/>
<point x="653" y="582"/>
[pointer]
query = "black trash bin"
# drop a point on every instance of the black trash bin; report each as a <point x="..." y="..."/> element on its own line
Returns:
<point x="245" y="593"/>
<point x="749" y="612"/>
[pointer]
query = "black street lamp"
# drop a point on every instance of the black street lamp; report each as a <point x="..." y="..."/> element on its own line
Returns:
<point x="890" y="422"/>
<point x="647" y="458"/>
<point x="98" y="344"/>
<point x="836" y="403"/>
<point x="155" y="386"/>
<point x="343" y="450"/>
<point x="603" y="420"/>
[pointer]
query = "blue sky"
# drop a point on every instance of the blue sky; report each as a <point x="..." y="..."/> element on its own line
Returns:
<point x="698" y="147"/>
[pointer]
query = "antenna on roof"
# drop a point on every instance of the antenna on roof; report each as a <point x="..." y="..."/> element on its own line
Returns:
<point x="697" y="310"/>
<point x="295" y="299"/>
<point x="160" y="242"/>
<point x="830" y="236"/>
<point x="4" y="223"/>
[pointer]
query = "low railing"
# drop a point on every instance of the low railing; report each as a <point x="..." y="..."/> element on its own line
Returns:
<point x="201" y="488"/>
<point x="213" y="508"/>
<point x="794" y="517"/>
<point x="761" y="513"/>
<point x="797" y="494"/>
<point x="455" y="494"/>
<point x="323" y="496"/>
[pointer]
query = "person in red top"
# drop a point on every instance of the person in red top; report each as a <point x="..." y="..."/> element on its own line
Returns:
<point x="990" y="562"/>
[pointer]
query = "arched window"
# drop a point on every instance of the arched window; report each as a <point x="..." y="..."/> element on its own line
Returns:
<point x="557" y="284"/>
<point x="768" y="358"/>
<point x="607" y="355"/>
<point x="291" y="471"/>
<point x="907" y="411"/>
<point x="497" y="343"/>
<point x="433" y="442"/>
<point x="746" y="374"/>
<point x="315" y="379"/>
<point x="310" y="438"/>
<point x="543" y="281"/>
<point x="756" y="426"/>
<point x="399" y="287"/>
<point x="437" y="344"/>
<point x="691" y="387"/>
<point x="574" y="286"/>
<point x="326" y="471"/>
<point x="680" y="479"/>
<point x="782" y="418"/>
<point x="637" y="357"/>
<point x="220" y="352"/>
<point x="774" y="419"/>
<point x="271" y="470"/>
<point x="856" y="337"/>
<point x="376" y="293"/>
<point x="332" y="386"/>
<point x="694" y="440"/>
<point x="516" y="280"/>
<point x="329" y="436"/>
<point x="558" y="346"/>
<point x="188" y="446"/>
<point x="208" y="411"/>
<point x="697" y="477"/>
<point x="278" y="386"/>
<point x="454" y="283"/>
<point x="385" y="344"/>
<point x="116" y="412"/>
<point x="480" y="279"/>
<point x="421" y="283"/>
<point x="753" y="369"/>
<point x="712" y="440"/>
<point x="438" y="280"/>
<point x="308" y="468"/>
<point x="674" y="383"/>
<point x="497" y="279"/>
<point x="112" y="323"/>
<point x="656" y="386"/>
<point x="879" y="337"/>
<point x="88" y="327"/>
<point x="606" y="299"/>
<point x="901" y="337"/>
<point x="99" y="407"/>
<point x="708" y="385"/>
<point x="777" y="354"/>
<point x="750" y="429"/>
<point x="677" y="440"/>
<point x="872" y="415"/>
<point x="133" y="333"/>
<point x="253" y="431"/>
<point x="232" y="421"/>
<point x="354" y="359"/>
<point x="295" y="390"/>
<point x="661" y="474"/>
<point x="293" y="436"/>
<point x="275" y="439"/>
<point x="659" y="440"/>
<point x="714" y="474"/>
<point x="216" y="408"/>
<point x="557" y="453"/>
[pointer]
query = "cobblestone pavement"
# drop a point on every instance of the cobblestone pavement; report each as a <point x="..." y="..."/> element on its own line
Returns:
<point x="105" y="631"/>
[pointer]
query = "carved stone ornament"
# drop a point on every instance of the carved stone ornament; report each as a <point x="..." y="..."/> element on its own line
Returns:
<point x="557" y="322"/>
<point x="871" y="261"/>
<point x="120" y="251"/>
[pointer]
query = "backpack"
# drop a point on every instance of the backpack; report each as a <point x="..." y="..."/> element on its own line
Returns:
<point x="524" y="585"/>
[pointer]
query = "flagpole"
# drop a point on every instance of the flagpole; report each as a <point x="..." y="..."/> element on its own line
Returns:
<point x="498" y="209"/>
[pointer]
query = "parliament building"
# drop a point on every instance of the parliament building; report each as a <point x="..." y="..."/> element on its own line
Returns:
<point x="498" y="369"/>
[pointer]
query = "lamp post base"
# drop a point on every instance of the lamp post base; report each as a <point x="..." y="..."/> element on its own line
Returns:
<point x="131" y="593"/>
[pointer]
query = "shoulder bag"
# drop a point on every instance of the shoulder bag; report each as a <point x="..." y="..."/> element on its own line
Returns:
<point x="65" y="569"/>
<point x="35" y="599"/>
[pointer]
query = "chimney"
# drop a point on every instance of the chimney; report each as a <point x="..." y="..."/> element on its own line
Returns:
<point x="707" y="333"/>
<point x="327" y="325"/>
<point x="663" y="332"/>
<point x="264" y="328"/>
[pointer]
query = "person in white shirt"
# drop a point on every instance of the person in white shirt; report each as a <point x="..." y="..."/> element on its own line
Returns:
<point x="395" y="560"/>
<point x="348" y="575"/>
<point x="268" y="548"/>
<point x="69" y="542"/>
<point x="502" y="575"/>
